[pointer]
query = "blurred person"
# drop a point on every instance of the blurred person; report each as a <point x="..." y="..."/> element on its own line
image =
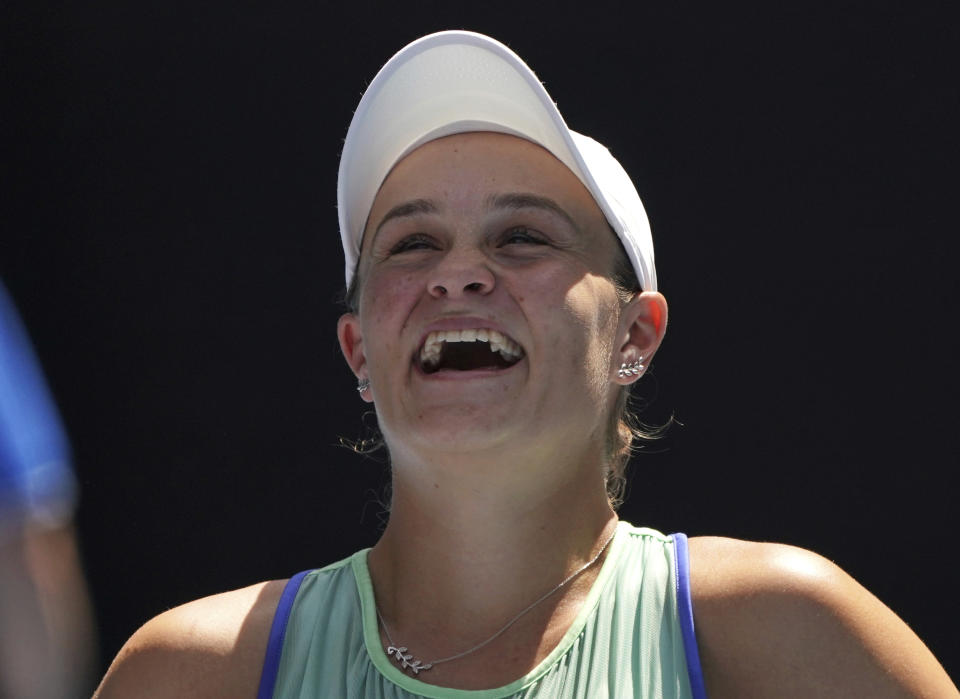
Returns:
<point x="47" y="644"/>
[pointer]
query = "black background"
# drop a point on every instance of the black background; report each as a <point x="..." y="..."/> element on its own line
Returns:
<point x="169" y="232"/>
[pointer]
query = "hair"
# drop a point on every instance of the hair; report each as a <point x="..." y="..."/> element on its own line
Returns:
<point x="626" y="432"/>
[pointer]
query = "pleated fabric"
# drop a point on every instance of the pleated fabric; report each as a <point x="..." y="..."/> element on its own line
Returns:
<point x="626" y="641"/>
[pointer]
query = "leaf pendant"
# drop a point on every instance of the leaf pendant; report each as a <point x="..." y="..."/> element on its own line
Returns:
<point x="406" y="660"/>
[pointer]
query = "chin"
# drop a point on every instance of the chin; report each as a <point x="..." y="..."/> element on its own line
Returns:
<point x="455" y="429"/>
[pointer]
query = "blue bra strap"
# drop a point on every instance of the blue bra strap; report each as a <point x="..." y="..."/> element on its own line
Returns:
<point x="685" y="612"/>
<point x="271" y="664"/>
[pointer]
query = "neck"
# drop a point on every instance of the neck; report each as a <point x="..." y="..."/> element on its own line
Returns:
<point x="471" y="543"/>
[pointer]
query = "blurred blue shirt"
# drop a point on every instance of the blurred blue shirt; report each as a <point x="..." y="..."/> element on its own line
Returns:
<point x="36" y="480"/>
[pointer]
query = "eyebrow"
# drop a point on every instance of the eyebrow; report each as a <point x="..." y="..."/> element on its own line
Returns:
<point x="407" y="208"/>
<point x="525" y="200"/>
<point x="510" y="200"/>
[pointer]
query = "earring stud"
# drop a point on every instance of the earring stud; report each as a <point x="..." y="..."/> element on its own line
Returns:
<point x="363" y="385"/>
<point x="632" y="369"/>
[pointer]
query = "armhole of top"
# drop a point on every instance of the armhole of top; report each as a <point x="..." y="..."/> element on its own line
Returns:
<point x="278" y="630"/>
<point x="685" y="613"/>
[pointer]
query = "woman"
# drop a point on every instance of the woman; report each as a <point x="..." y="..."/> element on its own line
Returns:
<point x="503" y="300"/>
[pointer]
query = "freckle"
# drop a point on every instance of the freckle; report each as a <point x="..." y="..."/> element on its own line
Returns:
<point x="436" y="485"/>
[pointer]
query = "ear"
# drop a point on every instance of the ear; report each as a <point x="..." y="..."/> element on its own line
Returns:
<point x="351" y="344"/>
<point x="643" y="323"/>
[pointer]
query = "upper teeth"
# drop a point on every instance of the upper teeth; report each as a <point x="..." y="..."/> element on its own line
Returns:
<point x="433" y="345"/>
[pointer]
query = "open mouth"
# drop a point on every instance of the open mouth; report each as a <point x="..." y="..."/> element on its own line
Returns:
<point x="466" y="350"/>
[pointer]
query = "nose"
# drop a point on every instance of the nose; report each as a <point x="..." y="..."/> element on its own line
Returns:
<point x="461" y="273"/>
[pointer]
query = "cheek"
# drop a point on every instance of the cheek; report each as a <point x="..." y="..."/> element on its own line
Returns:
<point x="589" y="311"/>
<point x="593" y="301"/>
<point x="595" y="311"/>
<point x="385" y="304"/>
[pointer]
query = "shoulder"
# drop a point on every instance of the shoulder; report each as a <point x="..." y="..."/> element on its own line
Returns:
<point x="777" y="620"/>
<point x="211" y="647"/>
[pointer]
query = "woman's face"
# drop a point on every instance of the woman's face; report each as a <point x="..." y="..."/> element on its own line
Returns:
<point x="486" y="311"/>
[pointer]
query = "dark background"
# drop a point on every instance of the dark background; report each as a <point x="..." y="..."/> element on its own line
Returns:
<point x="169" y="232"/>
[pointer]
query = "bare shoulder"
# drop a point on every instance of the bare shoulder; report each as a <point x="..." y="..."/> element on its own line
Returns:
<point x="211" y="647"/>
<point x="777" y="620"/>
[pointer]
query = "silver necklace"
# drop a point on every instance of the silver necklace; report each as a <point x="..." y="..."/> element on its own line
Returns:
<point x="406" y="660"/>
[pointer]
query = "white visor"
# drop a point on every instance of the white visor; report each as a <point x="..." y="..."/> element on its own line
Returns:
<point x="456" y="82"/>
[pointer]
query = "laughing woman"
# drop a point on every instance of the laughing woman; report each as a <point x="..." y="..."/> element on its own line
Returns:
<point x="502" y="301"/>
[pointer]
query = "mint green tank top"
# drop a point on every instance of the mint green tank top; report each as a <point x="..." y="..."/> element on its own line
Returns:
<point x="632" y="638"/>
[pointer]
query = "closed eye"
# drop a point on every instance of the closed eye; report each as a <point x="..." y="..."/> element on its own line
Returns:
<point x="523" y="236"/>
<point x="418" y="241"/>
